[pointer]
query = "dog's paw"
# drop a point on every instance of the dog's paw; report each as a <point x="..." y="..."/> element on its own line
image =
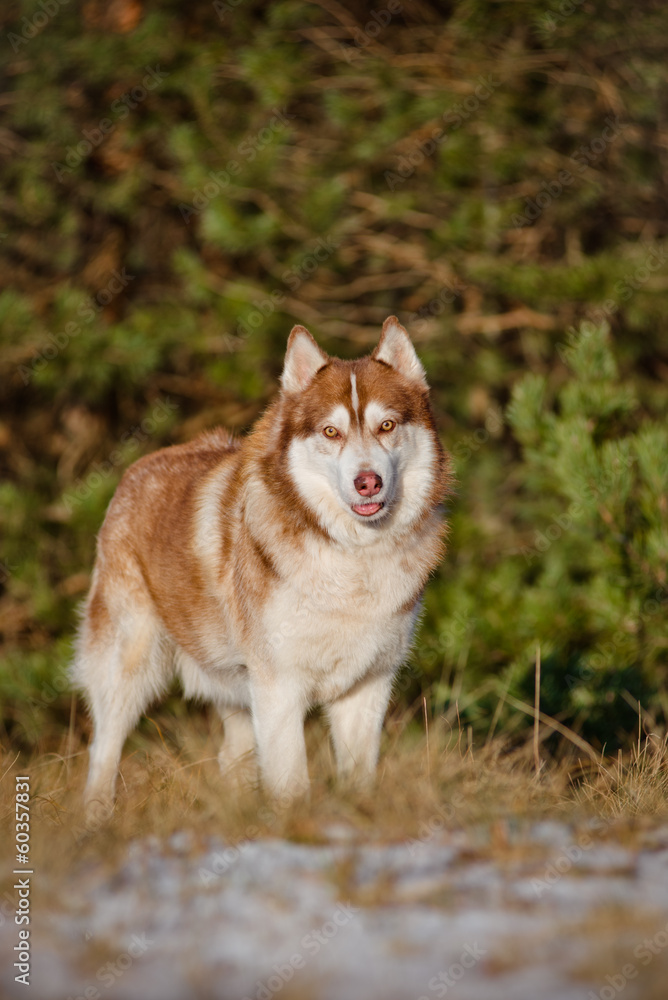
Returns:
<point x="98" y="810"/>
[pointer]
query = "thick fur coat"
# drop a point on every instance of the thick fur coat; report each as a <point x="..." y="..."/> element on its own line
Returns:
<point x="273" y="573"/>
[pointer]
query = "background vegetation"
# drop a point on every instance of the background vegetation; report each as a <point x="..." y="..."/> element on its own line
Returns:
<point x="183" y="182"/>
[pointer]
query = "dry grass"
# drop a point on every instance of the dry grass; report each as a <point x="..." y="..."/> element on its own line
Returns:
<point x="170" y="781"/>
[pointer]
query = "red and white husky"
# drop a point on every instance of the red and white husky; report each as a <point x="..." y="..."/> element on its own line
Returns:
<point x="273" y="573"/>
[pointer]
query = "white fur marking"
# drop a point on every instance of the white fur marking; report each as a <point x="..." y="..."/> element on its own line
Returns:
<point x="340" y="418"/>
<point x="353" y="393"/>
<point x="375" y="413"/>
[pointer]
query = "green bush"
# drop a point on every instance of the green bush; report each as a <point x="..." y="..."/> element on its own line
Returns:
<point x="491" y="173"/>
<point x="586" y="576"/>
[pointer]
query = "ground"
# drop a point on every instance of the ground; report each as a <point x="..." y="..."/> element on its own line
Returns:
<point x="465" y="873"/>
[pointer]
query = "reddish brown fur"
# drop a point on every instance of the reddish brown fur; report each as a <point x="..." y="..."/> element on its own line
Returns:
<point x="209" y="592"/>
<point x="160" y="489"/>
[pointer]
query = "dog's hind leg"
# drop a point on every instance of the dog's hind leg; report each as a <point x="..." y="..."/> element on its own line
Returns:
<point x="120" y="672"/>
<point x="356" y="722"/>
<point x="237" y="756"/>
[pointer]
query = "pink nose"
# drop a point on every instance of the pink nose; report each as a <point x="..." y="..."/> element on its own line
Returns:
<point x="368" y="484"/>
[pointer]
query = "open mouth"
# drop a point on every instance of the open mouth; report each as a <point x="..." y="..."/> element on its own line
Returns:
<point x="367" y="509"/>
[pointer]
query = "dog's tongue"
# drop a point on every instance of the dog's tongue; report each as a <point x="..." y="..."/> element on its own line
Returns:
<point x="366" y="509"/>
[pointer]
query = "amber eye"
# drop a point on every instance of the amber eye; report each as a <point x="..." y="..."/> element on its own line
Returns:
<point x="330" y="432"/>
<point x="388" y="425"/>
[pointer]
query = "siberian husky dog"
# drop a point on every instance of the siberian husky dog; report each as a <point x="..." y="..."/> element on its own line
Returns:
<point x="273" y="573"/>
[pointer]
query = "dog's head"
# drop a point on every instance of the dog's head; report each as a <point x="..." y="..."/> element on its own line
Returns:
<point x="362" y="448"/>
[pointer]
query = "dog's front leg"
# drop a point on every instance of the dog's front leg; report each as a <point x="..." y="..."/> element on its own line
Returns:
<point x="356" y="721"/>
<point x="278" y="709"/>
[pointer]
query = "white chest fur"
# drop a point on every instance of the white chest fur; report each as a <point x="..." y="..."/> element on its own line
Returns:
<point x="341" y="614"/>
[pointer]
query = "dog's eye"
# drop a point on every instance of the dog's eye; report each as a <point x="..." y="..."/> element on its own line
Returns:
<point x="331" y="432"/>
<point x="388" y="425"/>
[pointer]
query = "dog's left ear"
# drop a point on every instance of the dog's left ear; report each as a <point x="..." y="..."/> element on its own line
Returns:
<point x="303" y="358"/>
<point x="396" y="349"/>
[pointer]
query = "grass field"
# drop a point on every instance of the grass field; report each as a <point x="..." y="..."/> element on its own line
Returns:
<point x="430" y="778"/>
<point x="451" y="833"/>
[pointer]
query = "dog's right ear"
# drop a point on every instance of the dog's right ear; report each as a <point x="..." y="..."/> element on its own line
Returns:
<point x="303" y="358"/>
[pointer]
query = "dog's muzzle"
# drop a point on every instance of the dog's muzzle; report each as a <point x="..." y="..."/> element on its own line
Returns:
<point x="368" y="484"/>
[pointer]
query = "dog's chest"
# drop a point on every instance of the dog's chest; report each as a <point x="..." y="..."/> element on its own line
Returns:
<point x="340" y="616"/>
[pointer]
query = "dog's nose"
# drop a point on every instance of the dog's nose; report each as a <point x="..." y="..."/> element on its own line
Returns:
<point x="368" y="484"/>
